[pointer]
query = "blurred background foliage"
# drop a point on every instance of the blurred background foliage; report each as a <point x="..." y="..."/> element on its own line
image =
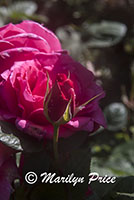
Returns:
<point x="100" y="35"/>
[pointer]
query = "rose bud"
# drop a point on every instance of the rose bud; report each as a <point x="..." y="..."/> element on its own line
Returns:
<point x="62" y="94"/>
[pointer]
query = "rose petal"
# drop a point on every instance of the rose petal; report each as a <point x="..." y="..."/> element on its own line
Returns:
<point x="5" y="45"/>
<point x="38" y="117"/>
<point x="33" y="129"/>
<point x="8" y="57"/>
<point x="29" y="40"/>
<point x="98" y="117"/>
<point x="79" y="122"/>
<point x="47" y="59"/>
<point x="33" y="27"/>
<point x="81" y="77"/>
<point x="10" y="29"/>
<point x="40" y="87"/>
<point x="9" y="98"/>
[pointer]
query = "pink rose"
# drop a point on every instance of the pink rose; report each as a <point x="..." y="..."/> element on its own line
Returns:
<point x="29" y="53"/>
<point x="8" y="172"/>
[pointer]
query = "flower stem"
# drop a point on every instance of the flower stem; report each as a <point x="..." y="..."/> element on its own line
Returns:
<point x="55" y="143"/>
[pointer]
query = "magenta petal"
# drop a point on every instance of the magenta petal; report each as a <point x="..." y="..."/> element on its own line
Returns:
<point x="28" y="101"/>
<point x="25" y="97"/>
<point x="47" y="59"/>
<point x="10" y="29"/>
<point x="88" y="123"/>
<point x="5" y="45"/>
<point x="78" y="122"/>
<point x="29" y="84"/>
<point x="81" y="77"/>
<point x="98" y="117"/>
<point x="5" y="74"/>
<point x="38" y="117"/>
<point x="40" y="86"/>
<point x="9" y="98"/>
<point x="8" y="57"/>
<point x="33" y="27"/>
<point x="29" y="40"/>
<point x="34" y="129"/>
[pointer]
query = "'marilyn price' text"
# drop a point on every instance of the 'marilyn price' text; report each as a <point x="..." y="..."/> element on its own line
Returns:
<point x="72" y="179"/>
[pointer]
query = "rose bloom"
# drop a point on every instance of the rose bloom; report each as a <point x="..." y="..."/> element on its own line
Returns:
<point x="31" y="59"/>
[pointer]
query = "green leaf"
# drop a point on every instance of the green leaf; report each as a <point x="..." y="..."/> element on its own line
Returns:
<point x="102" y="189"/>
<point x="11" y="141"/>
<point x="125" y="185"/>
<point x="125" y="194"/>
<point x="122" y="189"/>
<point x="123" y="155"/>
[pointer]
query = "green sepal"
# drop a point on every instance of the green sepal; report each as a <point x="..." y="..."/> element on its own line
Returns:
<point x="81" y="107"/>
<point x="67" y="116"/>
<point x="47" y="89"/>
<point x="47" y="98"/>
